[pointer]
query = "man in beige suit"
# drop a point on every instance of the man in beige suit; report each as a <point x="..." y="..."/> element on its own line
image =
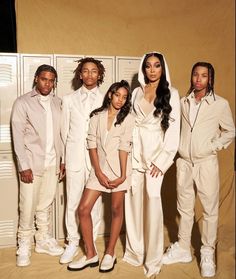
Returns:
<point x="76" y="109"/>
<point x="38" y="147"/>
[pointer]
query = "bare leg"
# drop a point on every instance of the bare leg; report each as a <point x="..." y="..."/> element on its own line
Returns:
<point x="86" y="204"/>
<point x="117" y="219"/>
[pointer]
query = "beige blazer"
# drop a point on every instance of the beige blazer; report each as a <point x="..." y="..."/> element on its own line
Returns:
<point x="29" y="131"/>
<point x="74" y="127"/>
<point x="119" y="137"/>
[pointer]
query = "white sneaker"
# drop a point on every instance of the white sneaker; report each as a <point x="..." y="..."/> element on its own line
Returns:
<point x="176" y="254"/>
<point x="23" y="253"/>
<point x="49" y="246"/>
<point x="70" y="252"/>
<point x="208" y="268"/>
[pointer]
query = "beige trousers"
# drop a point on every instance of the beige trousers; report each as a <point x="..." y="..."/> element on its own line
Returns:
<point x="205" y="176"/>
<point x="35" y="202"/>
<point x="144" y="223"/>
<point x="75" y="182"/>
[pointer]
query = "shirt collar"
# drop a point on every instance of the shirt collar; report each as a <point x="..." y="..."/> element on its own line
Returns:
<point x="208" y="98"/>
<point x="35" y="93"/>
<point x="84" y="90"/>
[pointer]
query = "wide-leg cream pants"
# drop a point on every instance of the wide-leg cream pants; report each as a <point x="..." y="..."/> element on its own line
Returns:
<point x="144" y="223"/>
<point x="75" y="183"/>
<point x="205" y="176"/>
<point x="35" y="202"/>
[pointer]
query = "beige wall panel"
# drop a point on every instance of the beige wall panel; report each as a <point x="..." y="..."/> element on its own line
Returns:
<point x="185" y="31"/>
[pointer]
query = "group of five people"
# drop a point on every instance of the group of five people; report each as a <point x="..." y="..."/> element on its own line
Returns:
<point x="123" y="144"/>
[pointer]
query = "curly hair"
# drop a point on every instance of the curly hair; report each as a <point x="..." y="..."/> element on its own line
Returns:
<point x="45" y="68"/>
<point x="162" y="99"/>
<point x="77" y="82"/>
<point x="125" y="110"/>
<point x="211" y="76"/>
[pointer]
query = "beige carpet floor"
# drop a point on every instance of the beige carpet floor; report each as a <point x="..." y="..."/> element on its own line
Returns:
<point x="47" y="267"/>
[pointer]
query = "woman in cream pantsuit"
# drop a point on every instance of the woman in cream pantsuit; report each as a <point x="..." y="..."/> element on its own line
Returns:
<point x="109" y="143"/>
<point x="156" y="109"/>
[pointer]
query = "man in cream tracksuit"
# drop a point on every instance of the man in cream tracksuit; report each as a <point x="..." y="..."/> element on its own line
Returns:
<point x="76" y="108"/>
<point x="207" y="127"/>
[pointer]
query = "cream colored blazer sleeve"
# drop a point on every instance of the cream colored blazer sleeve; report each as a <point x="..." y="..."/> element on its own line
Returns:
<point x="126" y="136"/>
<point x="92" y="132"/>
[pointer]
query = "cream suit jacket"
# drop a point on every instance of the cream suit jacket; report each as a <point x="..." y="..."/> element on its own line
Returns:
<point x="74" y="127"/>
<point x="108" y="144"/>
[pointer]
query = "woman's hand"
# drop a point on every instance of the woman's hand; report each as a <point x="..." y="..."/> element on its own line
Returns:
<point x="103" y="179"/>
<point x="115" y="183"/>
<point x="155" y="171"/>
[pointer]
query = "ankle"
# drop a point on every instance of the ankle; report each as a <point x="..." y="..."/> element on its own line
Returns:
<point x="91" y="254"/>
<point x="109" y="252"/>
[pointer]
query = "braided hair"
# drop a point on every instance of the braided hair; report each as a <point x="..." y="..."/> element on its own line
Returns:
<point x="211" y="77"/>
<point x="45" y="68"/>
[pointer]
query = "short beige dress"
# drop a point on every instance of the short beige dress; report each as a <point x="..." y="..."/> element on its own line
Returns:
<point x="93" y="183"/>
<point x="119" y="139"/>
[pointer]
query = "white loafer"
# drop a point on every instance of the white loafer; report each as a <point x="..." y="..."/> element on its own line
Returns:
<point x="83" y="263"/>
<point x="108" y="263"/>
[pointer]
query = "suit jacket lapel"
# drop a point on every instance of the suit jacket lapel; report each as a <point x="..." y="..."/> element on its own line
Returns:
<point x="111" y="131"/>
<point x="103" y="127"/>
<point x="78" y="102"/>
<point x="98" y="100"/>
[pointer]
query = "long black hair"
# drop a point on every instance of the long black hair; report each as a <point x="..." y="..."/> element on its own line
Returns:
<point x="162" y="100"/>
<point x="211" y="76"/>
<point x="45" y="68"/>
<point x="124" y="111"/>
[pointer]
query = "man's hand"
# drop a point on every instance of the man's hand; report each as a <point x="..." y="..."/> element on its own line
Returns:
<point x="62" y="173"/>
<point x="26" y="176"/>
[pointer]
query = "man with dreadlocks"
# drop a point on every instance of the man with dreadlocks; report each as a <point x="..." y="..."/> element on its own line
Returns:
<point x="207" y="127"/>
<point x="76" y="108"/>
<point x="37" y="143"/>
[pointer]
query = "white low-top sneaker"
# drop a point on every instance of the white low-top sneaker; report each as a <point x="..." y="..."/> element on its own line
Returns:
<point x="70" y="252"/>
<point x="108" y="263"/>
<point x="49" y="246"/>
<point x="176" y="254"/>
<point x="83" y="263"/>
<point x="208" y="267"/>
